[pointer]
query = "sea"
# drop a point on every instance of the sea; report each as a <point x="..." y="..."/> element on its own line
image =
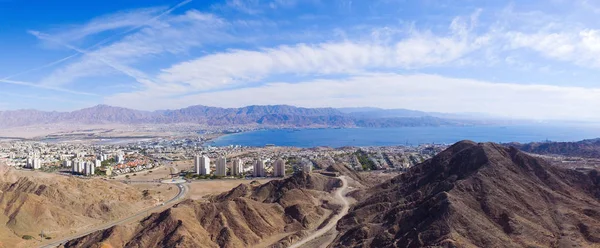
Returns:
<point x="408" y="136"/>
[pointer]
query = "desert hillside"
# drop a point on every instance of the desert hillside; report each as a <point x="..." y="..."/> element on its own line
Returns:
<point x="478" y="195"/>
<point x="34" y="202"/>
<point x="275" y="213"/>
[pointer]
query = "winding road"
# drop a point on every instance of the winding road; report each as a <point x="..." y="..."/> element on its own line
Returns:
<point x="182" y="192"/>
<point x="333" y="222"/>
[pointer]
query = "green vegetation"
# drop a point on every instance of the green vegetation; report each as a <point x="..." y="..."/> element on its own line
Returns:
<point x="145" y="193"/>
<point x="108" y="162"/>
<point x="127" y="176"/>
<point x="48" y="237"/>
<point x="100" y="173"/>
<point x="27" y="237"/>
<point x="365" y="162"/>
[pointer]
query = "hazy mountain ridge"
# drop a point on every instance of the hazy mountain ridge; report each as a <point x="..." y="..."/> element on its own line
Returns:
<point x="270" y="115"/>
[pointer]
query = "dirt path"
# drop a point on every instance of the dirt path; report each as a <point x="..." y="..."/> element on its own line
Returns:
<point x="346" y="206"/>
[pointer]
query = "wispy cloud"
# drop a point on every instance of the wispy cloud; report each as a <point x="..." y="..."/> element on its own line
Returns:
<point x="44" y="87"/>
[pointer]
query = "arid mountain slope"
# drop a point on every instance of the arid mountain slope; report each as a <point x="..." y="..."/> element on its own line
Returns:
<point x="245" y="216"/>
<point x="32" y="202"/>
<point x="478" y="195"/>
<point x="585" y="148"/>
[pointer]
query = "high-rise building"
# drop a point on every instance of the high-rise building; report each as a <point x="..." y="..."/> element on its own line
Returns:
<point x="279" y="168"/>
<point x="80" y="166"/>
<point x="67" y="163"/>
<point x="307" y="166"/>
<point x="37" y="164"/>
<point x="259" y="168"/>
<point x="74" y="166"/>
<point x="237" y="167"/>
<point x="204" y="165"/>
<point x="89" y="168"/>
<point x="197" y="159"/>
<point x="221" y="167"/>
<point x="98" y="163"/>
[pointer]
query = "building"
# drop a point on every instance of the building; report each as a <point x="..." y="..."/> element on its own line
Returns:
<point x="80" y="166"/>
<point x="279" y="168"/>
<point x="98" y="163"/>
<point x="307" y="166"/>
<point x="221" y="167"/>
<point x="237" y="167"/>
<point x="74" y="166"/>
<point x="259" y="168"/>
<point x="89" y="168"/>
<point x="202" y="165"/>
<point x="35" y="164"/>
<point x="119" y="158"/>
<point x="67" y="163"/>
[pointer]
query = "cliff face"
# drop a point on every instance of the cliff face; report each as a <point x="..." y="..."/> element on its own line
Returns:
<point x="245" y="216"/>
<point x="478" y="195"/>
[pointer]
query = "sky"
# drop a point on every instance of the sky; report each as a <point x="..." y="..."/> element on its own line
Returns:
<point x="520" y="59"/>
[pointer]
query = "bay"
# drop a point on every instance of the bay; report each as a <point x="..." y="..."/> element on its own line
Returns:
<point x="407" y="135"/>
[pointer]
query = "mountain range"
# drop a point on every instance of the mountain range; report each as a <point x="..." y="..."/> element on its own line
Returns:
<point x="267" y="116"/>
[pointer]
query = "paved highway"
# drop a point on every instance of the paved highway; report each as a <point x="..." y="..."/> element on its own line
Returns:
<point x="182" y="192"/>
<point x="333" y="222"/>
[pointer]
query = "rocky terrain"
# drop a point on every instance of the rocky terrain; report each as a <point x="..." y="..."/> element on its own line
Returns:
<point x="276" y="213"/>
<point x="32" y="202"/>
<point x="478" y="195"/>
<point x="585" y="148"/>
<point x="267" y="116"/>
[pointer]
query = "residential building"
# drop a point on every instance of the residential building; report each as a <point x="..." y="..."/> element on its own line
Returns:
<point x="221" y="167"/>
<point x="204" y="165"/>
<point x="279" y="168"/>
<point x="237" y="167"/>
<point x="307" y="166"/>
<point x="259" y="168"/>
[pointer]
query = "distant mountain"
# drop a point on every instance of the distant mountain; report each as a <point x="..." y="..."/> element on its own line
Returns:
<point x="370" y="112"/>
<point x="266" y="116"/>
<point x="477" y="195"/>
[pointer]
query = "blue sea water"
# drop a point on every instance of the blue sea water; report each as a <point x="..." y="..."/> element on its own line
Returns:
<point x="407" y="135"/>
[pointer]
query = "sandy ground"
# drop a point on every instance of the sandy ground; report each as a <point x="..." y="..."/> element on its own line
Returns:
<point x="202" y="188"/>
<point x="158" y="191"/>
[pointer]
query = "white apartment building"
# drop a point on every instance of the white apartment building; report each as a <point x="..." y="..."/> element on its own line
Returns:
<point x="237" y="168"/>
<point x="221" y="167"/>
<point x="202" y="165"/>
<point x="259" y="168"/>
<point x="279" y="168"/>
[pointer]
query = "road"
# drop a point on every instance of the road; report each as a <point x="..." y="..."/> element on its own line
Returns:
<point x="333" y="222"/>
<point x="182" y="192"/>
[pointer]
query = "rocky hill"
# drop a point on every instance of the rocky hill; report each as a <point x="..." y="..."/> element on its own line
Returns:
<point x="267" y="116"/>
<point x="276" y="213"/>
<point x="478" y="195"/>
<point x="31" y="203"/>
<point x="585" y="148"/>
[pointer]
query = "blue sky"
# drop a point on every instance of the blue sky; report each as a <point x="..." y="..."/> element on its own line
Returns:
<point x="535" y="60"/>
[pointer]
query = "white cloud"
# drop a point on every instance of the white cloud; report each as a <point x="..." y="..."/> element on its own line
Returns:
<point x="581" y="47"/>
<point x="174" y="35"/>
<point x="237" y="67"/>
<point x="124" y="19"/>
<point x="390" y="90"/>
